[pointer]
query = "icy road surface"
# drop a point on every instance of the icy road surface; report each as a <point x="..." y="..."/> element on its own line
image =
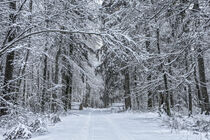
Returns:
<point x="103" y="125"/>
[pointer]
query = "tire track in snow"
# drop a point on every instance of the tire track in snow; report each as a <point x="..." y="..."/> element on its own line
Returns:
<point x="91" y="129"/>
<point x="85" y="130"/>
<point x="119" y="132"/>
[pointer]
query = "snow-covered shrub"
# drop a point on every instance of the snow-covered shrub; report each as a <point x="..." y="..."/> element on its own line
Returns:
<point x="55" y="119"/>
<point x="25" y="131"/>
<point x="20" y="131"/>
<point x="7" y="121"/>
<point x="196" y="123"/>
<point x="38" y="127"/>
<point x="22" y="124"/>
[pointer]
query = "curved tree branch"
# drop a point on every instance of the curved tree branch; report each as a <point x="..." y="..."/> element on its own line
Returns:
<point x="10" y="44"/>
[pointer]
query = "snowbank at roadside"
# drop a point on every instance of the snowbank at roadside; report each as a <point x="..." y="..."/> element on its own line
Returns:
<point x="197" y="124"/>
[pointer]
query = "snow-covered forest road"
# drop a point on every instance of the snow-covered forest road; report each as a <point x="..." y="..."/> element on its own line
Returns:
<point x="103" y="125"/>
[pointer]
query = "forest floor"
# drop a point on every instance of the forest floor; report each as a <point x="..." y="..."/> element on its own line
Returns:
<point x="95" y="124"/>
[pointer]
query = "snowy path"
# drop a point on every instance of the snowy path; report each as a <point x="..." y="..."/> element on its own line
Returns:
<point x="102" y="125"/>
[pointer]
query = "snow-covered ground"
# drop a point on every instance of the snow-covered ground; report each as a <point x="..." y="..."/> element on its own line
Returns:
<point x="1" y="134"/>
<point x="95" y="124"/>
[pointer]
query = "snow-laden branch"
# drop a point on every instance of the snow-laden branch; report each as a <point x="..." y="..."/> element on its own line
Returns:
<point x="9" y="45"/>
<point x="6" y="2"/>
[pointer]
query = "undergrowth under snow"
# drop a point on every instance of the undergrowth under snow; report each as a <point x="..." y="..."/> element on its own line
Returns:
<point x="198" y="124"/>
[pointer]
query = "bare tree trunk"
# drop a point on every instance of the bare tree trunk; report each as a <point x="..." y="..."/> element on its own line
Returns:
<point x="149" y="102"/>
<point x="188" y="85"/>
<point x="190" y="99"/>
<point x="70" y="90"/>
<point x="26" y="58"/>
<point x="135" y="85"/>
<point x="166" y="97"/>
<point x="167" y="104"/>
<point x="45" y="74"/>
<point x="44" y="90"/>
<point x="171" y="93"/>
<point x="202" y="77"/>
<point x="54" y="95"/>
<point x="127" y="90"/>
<point x="87" y="95"/>
<point x="105" y="97"/>
<point x="201" y="67"/>
<point x="147" y="44"/>
<point x="9" y="65"/>
<point x="67" y="92"/>
<point x="199" y="96"/>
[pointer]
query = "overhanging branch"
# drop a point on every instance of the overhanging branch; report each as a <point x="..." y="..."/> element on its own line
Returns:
<point x="10" y="44"/>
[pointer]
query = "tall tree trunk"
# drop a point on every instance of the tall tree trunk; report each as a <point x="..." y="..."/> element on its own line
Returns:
<point x="167" y="104"/>
<point x="54" y="95"/>
<point x="147" y="44"/>
<point x="67" y="92"/>
<point x="22" y="72"/>
<point x="9" y="65"/>
<point x="201" y="66"/>
<point x="44" y="90"/>
<point x="202" y="77"/>
<point x="166" y="97"/>
<point x="45" y="69"/>
<point x="127" y="90"/>
<point x="150" y="98"/>
<point x="188" y="85"/>
<point x="135" y="85"/>
<point x="199" y="96"/>
<point x="87" y="95"/>
<point x="171" y="93"/>
<point x="105" y="97"/>
<point x="190" y="99"/>
<point x="70" y="89"/>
